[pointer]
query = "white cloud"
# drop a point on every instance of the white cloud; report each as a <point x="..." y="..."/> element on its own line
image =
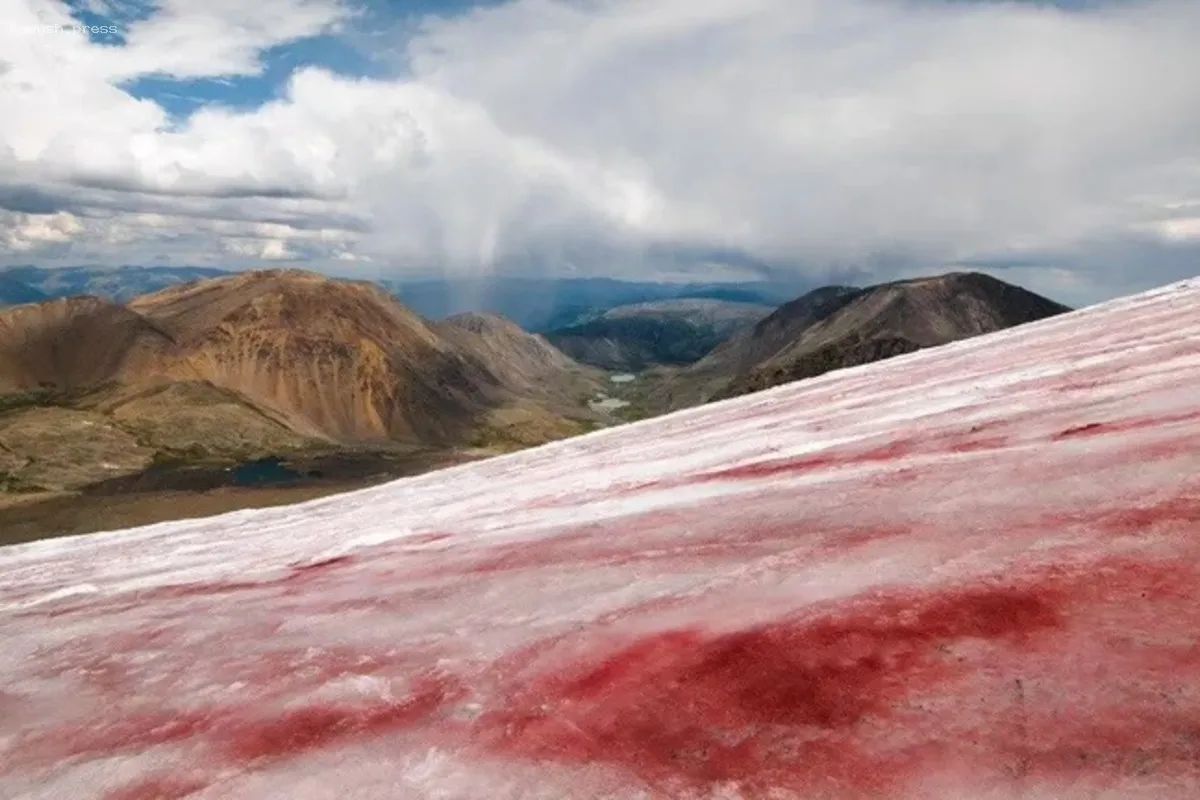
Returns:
<point x="26" y="232"/>
<point x="872" y="135"/>
<point x="1182" y="229"/>
<point x="265" y="249"/>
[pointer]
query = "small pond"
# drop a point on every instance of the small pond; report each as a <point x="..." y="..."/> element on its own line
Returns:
<point x="264" y="471"/>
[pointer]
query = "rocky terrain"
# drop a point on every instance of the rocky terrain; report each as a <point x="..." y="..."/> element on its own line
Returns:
<point x="549" y="388"/>
<point x="838" y="326"/>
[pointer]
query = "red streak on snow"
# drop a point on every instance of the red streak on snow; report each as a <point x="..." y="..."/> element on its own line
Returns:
<point x="1175" y="510"/>
<point x="241" y="736"/>
<point x="876" y="449"/>
<point x="130" y="732"/>
<point x="277" y="677"/>
<point x="1127" y="425"/>
<point x="973" y="440"/>
<point x="1180" y="510"/>
<point x="295" y="577"/>
<point x="298" y="574"/>
<point x="709" y="707"/>
<point x="783" y="466"/>
<point x="297" y="731"/>
<point x="902" y="445"/>
<point x="652" y="538"/>
<point x="800" y="703"/>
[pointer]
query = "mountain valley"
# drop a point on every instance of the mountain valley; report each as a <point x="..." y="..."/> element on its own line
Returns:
<point x="172" y="393"/>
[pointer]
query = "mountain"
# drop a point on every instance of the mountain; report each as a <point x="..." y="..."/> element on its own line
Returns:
<point x="547" y="304"/>
<point x="249" y="364"/>
<point x="534" y="304"/>
<point x="969" y="573"/>
<point x="14" y="292"/>
<point x="337" y="359"/>
<point x="524" y="360"/>
<point x="112" y="283"/>
<point x="629" y="338"/>
<point x="836" y="327"/>
<point x="531" y="368"/>
<point x="78" y="342"/>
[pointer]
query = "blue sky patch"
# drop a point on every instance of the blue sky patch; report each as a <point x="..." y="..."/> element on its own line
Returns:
<point x="182" y="97"/>
<point x="342" y="54"/>
<point x="108" y="15"/>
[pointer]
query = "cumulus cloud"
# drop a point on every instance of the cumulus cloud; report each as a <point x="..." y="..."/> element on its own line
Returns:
<point x="25" y="232"/>
<point x="875" y="138"/>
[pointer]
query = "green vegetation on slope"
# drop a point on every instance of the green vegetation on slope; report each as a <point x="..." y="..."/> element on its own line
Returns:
<point x="634" y="343"/>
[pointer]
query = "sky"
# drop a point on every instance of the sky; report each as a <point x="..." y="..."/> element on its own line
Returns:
<point x="1052" y="144"/>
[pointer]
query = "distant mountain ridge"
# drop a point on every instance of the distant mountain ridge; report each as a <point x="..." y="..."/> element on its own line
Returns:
<point x="536" y="304"/>
<point x="15" y="292"/>
<point x="674" y="332"/>
<point x="839" y="326"/>
<point x="118" y="284"/>
<point x="544" y="305"/>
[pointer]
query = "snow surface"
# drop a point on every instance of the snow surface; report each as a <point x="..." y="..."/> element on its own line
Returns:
<point x="969" y="572"/>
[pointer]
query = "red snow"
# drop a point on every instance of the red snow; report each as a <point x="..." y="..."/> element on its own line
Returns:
<point x="827" y="672"/>
<point x="805" y="703"/>
<point x="294" y="732"/>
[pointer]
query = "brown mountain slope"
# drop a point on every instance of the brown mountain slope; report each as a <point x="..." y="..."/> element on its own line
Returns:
<point x="521" y="360"/>
<point x="838" y="327"/>
<point x="336" y="358"/>
<point x="264" y="363"/>
<point x="77" y="342"/>
<point x="747" y="348"/>
<point x="552" y="389"/>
